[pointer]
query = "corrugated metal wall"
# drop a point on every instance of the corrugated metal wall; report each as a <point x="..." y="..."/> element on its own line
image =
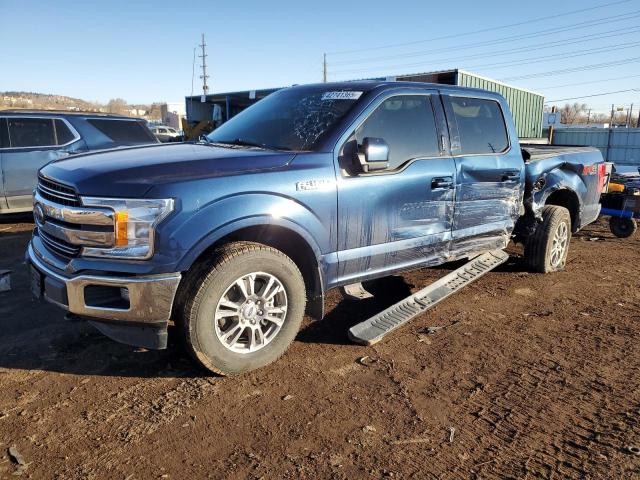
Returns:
<point x="525" y="106"/>
<point x="618" y="145"/>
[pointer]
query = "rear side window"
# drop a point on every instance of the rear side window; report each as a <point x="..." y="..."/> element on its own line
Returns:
<point x="407" y="124"/>
<point x="31" y="132"/>
<point x="480" y="125"/>
<point x="122" y="131"/>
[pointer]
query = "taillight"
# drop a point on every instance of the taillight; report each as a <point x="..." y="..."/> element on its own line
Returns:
<point x="602" y="177"/>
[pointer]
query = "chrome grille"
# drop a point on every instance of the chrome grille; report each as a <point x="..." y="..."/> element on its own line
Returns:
<point x="57" y="192"/>
<point x="58" y="246"/>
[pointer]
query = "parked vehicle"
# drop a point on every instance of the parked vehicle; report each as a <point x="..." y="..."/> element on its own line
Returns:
<point x="29" y="139"/>
<point x="166" y="134"/>
<point x="622" y="201"/>
<point x="314" y="187"/>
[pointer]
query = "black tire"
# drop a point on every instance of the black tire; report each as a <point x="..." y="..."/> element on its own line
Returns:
<point x="207" y="286"/>
<point x="539" y="248"/>
<point x="622" y="227"/>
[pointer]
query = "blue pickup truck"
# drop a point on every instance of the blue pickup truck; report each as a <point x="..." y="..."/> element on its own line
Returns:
<point x="235" y="237"/>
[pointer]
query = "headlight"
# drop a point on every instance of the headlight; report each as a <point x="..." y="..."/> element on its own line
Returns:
<point x="135" y="221"/>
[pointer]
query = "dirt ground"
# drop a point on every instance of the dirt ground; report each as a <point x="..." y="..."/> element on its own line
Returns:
<point x="531" y="376"/>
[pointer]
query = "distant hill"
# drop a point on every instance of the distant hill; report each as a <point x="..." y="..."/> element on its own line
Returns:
<point x="46" y="101"/>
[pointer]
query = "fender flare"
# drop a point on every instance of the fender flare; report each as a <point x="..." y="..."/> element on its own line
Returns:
<point x="257" y="220"/>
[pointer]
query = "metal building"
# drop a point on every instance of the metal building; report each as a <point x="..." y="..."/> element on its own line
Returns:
<point x="526" y="106"/>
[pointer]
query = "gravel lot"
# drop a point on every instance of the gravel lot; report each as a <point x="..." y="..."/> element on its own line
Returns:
<point x="531" y="376"/>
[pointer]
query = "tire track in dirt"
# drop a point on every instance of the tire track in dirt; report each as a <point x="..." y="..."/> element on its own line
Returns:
<point x="587" y="430"/>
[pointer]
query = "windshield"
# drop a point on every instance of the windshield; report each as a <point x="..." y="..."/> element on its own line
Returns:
<point x="289" y="119"/>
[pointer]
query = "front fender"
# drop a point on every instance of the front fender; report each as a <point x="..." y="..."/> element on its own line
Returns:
<point x="206" y="225"/>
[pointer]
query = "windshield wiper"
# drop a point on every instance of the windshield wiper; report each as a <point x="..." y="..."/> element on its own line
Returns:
<point x="248" y="143"/>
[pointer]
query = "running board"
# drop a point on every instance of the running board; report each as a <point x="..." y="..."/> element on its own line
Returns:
<point x="375" y="328"/>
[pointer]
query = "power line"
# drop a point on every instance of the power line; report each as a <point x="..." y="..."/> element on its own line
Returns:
<point x="488" y="29"/>
<point x="508" y="39"/>
<point x="574" y="53"/>
<point x="594" y="95"/>
<point x="549" y="87"/>
<point x="571" y="54"/>
<point x="573" y="69"/>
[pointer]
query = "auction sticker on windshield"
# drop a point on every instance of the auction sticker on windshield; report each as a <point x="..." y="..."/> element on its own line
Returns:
<point x="341" y="95"/>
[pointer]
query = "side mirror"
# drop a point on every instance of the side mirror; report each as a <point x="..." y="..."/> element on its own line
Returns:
<point x="375" y="154"/>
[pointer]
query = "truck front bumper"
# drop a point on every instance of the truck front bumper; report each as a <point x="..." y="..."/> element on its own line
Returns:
<point x="130" y="309"/>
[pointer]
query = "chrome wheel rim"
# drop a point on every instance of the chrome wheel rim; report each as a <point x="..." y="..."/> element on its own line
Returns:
<point x="559" y="245"/>
<point x="251" y="312"/>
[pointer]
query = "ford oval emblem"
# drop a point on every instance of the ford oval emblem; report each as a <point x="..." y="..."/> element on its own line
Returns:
<point x="38" y="214"/>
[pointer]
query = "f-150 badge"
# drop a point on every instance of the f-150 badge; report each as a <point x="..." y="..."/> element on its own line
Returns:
<point x="320" y="184"/>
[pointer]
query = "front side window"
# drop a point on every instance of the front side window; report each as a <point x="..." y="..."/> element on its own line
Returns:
<point x="407" y="124"/>
<point x="480" y="125"/>
<point x="289" y="119"/>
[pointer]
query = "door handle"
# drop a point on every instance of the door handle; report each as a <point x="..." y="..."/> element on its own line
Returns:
<point x="441" y="183"/>
<point x="511" y="176"/>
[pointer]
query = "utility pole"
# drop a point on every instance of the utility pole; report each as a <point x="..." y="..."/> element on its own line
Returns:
<point x="606" y="152"/>
<point x="629" y="116"/>
<point x="638" y="122"/>
<point x="588" y="116"/>
<point x="551" y="129"/>
<point x="204" y="76"/>
<point x="611" y="120"/>
<point x="324" y="68"/>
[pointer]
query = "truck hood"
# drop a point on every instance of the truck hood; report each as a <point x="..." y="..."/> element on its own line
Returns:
<point x="131" y="172"/>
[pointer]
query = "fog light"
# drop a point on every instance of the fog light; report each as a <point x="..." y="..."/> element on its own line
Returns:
<point x="124" y="293"/>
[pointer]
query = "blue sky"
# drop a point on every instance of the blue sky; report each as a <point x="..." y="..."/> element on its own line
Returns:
<point x="142" y="50"/>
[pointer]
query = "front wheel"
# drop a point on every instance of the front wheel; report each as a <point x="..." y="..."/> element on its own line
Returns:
<point x="547" y="248"/>
<point x="245" y="309"/>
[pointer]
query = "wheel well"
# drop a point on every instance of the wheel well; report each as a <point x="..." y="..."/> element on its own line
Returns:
<point x="569" y="200"/>
<point x="291" y="244"/>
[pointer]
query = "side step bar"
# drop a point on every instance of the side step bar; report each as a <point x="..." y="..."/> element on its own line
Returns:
<point x="375" y="328"/>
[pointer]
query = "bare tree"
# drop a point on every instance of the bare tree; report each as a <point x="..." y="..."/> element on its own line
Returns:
<point x="117" y="105"/>
<point x="572" y="113"/>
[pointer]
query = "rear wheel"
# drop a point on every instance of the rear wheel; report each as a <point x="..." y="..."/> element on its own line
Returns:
<point x="245" y="309"/>
<point x="622" y="227"/>
<point x="546" y="250"/>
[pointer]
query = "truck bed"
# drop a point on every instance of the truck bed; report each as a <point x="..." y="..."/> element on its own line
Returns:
<point x="532" y="152"/>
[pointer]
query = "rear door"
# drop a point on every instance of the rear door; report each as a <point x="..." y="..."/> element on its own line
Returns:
<point x="33" y="142"/>
<point x="401" y="217"/>
<point x="489" y="172"/>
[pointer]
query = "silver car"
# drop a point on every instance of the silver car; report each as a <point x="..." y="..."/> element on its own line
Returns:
<point x="165" y="134"/>
<point x="30" y="139"/>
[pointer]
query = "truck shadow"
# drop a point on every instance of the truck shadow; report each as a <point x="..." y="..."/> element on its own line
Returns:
<point x="13" y="218"/>
<point x="386" y="291"/>
<point x="78" y="349"/>
<point x="332" y="329"/>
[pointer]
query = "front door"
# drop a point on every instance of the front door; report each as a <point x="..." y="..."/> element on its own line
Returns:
<point x="394" y="219"/>
<point x="489" y="174"/>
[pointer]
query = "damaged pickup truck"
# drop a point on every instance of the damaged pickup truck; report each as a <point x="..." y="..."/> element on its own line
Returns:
<point x="233" y="238"/>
